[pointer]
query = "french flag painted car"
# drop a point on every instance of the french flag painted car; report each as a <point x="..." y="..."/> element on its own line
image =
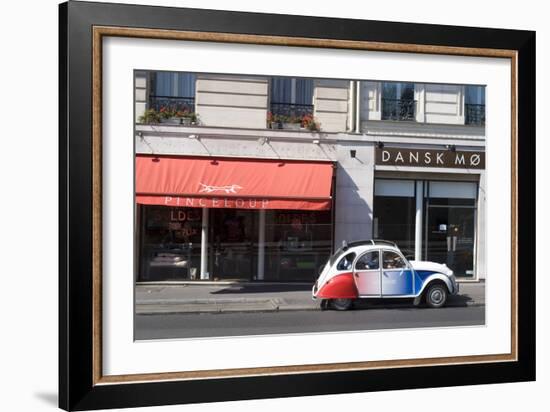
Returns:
<point x="378" y="269"/>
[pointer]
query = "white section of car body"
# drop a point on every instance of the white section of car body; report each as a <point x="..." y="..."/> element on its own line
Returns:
<point x="425" y="265"/>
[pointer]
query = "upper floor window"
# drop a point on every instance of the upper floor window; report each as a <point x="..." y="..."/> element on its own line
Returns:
<point x="398" y="101"/>
<point x="291" y="98"/>
<point x="474" y="105"/>
<point x="173" y="90"/>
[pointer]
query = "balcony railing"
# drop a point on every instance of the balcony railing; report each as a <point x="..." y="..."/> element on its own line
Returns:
<point x="398" y="109"/>
<point x="475" y="114"/>
<point x="185" y="104"/>
<point x="291" y="109"/>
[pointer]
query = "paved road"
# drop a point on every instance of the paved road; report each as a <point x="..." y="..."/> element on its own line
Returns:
<point x="261" y="323"/>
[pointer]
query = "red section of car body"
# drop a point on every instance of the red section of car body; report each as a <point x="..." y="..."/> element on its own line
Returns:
<point x="339" y="287"/>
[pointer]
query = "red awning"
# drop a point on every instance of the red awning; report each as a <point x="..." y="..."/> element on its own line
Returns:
<point x="233" y="183"/>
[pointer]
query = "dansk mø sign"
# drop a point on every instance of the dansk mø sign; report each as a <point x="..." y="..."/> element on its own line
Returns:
<point x="392" y="156"/>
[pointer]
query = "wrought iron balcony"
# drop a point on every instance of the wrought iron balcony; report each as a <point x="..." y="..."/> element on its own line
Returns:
<point x="172" y="103"/>
<point x="475" y="114"/>
<point x="291" y="109"/>
<point x="399" y="109"/>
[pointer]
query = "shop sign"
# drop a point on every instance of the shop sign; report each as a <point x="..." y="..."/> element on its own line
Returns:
<point x="430" y="158"/>
<point x="217" y="202"/>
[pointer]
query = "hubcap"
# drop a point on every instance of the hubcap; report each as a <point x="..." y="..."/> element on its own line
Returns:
<point x="436" y="296"/>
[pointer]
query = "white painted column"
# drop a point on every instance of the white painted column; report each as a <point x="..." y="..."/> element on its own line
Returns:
<point x="261" y="245"/>
<point x="358" y="106"/>
<point x="204" y="244"/>
<point x="418" y="221"/>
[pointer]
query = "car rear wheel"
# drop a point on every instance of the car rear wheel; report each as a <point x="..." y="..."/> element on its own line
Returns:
<point x="341" y="304"/>
<point x="436" y="295"/>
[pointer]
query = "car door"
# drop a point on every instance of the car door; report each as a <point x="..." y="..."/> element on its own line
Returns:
<point x="397" y="276"/>
<point x="366" y="273"/>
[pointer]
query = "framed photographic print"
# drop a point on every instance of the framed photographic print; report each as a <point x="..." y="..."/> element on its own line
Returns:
<point x="259" y="205"/>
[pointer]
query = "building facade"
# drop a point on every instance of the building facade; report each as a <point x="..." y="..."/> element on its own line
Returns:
<point x="261" y="178"/>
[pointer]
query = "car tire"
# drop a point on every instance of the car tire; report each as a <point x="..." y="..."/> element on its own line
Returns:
<point x="436" y="295"/>
<point x="341" y="304"/>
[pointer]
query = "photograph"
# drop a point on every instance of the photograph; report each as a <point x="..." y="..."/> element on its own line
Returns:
<point x="278" y="204"/>
<point x="266" y="206"/>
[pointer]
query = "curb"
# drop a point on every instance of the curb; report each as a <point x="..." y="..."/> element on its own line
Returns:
<point x="287" y="308"/>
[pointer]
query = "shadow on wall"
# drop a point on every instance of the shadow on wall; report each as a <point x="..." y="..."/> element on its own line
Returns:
<point x="353" y="210"/>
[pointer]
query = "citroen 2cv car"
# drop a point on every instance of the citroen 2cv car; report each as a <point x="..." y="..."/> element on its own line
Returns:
<point x="378" y="269"/>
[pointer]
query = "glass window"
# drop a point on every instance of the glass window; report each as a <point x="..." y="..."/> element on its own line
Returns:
<point x="398" y="91"/>
<point x="345" y="262"/>
<point x="170" y="243"/>
<point x="291" y="90"/>
<point x="474" y="105"/>
<point x="173" y="91"/>
<point x="398" y="101"/>
<point x="298" y="243"/>
<point x="172" y="84"/>
<point x="475" y="95"/>
<point x="393" y="260"/>
<point x="368" y="261"/>
<point x="394" y="215"/>
<point x="233" y="244"/>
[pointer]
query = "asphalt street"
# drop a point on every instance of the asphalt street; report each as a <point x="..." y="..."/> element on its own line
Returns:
<point x="373" y="317"/>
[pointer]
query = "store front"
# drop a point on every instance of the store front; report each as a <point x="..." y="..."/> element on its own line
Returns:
<point x="433" y="220"/>
<point x="232" y="219"/>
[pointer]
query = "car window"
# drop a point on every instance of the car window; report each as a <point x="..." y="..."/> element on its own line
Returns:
<point x="346" y="261"/>
<point x="393" y="260"/>
<point x="368" y="261"/>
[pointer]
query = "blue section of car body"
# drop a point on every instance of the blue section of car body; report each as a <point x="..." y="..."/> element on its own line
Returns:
<point x="397" y="282"/>
<point x="420" y="278"/>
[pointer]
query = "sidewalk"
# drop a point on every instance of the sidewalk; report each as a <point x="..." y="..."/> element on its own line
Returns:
<point x="195" y="297"/>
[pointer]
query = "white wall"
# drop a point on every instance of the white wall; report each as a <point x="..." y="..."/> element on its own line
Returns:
<point x="142" y="93"/>
<point x="231" y="101"/>
<point x="443" y="104"/>
<point x="330" y="104"/>
<point x="354" y="193"/>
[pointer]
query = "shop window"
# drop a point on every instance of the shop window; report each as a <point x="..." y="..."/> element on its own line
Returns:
<point x="298" y="243"/>
<point x="233" y="244"/>
<point x="394" y="213"/>
<point x="170" y="243"/>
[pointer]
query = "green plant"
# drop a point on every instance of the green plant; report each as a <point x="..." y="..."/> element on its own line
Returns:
<point x="149" y="116"/>
<point x="167" y="112"/>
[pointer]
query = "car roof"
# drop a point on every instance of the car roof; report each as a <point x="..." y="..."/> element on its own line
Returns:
<point x="371" y="242"/>
<point x="361" y="246"/>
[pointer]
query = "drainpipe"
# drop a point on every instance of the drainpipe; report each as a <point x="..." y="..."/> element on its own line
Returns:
<point x="418" y="221"/>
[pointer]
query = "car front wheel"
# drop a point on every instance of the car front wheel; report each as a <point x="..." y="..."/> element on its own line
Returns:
<point x="341" y="304"/>
<point x="436" y="295"/>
